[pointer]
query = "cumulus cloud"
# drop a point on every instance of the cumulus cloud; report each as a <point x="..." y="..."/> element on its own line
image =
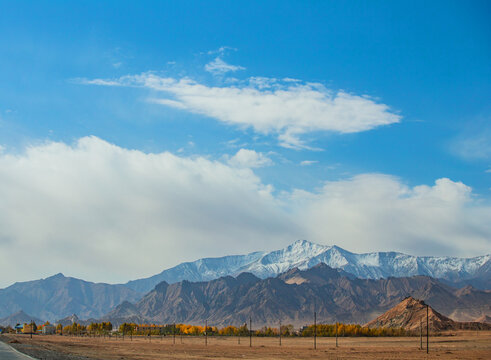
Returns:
<point x="103" y="212"/>
<point x="98" y="211"/>
<point x="219" y="67"/>
<point x="375" y="210"/>
<point x="285" y="108"/>
<point x="245" y="158"/>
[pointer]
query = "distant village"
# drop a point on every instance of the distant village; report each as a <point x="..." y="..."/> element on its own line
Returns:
<point x="30" y="328"/>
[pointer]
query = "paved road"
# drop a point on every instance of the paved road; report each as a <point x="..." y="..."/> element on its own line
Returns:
<point x="8" y="353"/>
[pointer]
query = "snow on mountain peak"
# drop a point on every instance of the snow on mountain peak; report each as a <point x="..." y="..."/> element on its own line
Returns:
<point x="304" y="254"/>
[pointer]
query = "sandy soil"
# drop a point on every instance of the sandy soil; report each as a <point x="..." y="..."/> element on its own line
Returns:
<point x="461" y="345"/>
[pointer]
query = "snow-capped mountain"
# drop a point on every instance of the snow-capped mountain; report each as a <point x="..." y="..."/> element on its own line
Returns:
<point x="304" y="254"/>
<point x="292" y="295"/>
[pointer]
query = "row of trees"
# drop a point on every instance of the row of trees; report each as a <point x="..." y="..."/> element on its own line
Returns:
<point x="323" y="330"/>
<point x="79" y="329"/>
<point x="168" y="329"/>
<point x="99" y="328"/>
<point x="350" y="330"/>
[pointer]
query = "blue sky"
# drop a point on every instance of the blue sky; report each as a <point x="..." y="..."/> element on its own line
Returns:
<point x="415" y="75"/>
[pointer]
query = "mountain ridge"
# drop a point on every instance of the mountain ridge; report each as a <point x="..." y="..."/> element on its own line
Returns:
<point x="57" y="296"/>
<point x="293" y="296"/>
<point x="475" y="271"/>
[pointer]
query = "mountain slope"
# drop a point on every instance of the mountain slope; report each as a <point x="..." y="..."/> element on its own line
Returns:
<point x="293" y="296"/>
<point x="411" y="314"/>
<point x="199" y="270"/>
<point x="304" y="254"/>
<point x="20" y="317"/>
<point x="59" y="296"/>
<point x="484" y="319"/>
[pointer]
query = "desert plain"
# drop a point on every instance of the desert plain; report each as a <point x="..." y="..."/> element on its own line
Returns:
<point x="452" y="345"/>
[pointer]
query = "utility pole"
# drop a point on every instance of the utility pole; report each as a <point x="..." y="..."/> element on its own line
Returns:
<point x="421" y="334"/>
<point x="206" y="332"/>
<point x="315" y="330"/>
<point x="336" y="334"/>
<point x="174" y="335"/>
<point x="280" y="332"/>
<point x="31" y="328"/>
<point x="427" y="330"/>
<point x="250" y="332"/>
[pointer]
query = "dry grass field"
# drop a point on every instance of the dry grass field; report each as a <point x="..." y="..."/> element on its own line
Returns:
<point x="458" y="345"/>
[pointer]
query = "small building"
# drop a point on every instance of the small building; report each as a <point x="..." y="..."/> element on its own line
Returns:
<point x="29" y="328"/>
<point x="19" y="328"/>
<point x="48" y="329"/>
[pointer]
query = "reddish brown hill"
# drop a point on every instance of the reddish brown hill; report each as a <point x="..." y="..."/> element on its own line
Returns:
<point x="484" y="319"/>
<point x="410" y="313"/>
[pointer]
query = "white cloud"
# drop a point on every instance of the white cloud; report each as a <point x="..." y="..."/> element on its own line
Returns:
<point x="102" y="212"/>
<point x="245" y="158"/>
<point x="378" y="211"/>
<point x="221" y="50"/>
<point x="473" y="146"/>
<point x="270" y="106"/>
<point x="308" y="162"/>
<point x="220" y="67"/>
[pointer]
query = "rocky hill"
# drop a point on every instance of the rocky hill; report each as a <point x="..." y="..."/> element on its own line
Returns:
<point x="411" y="314"/>
<point x="20" y="317"/>
<point x="484" y="319"/>
<point x="293" y="296"/>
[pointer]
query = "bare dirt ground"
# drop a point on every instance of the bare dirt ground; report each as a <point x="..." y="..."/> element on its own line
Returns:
<point x="458" y="345"/>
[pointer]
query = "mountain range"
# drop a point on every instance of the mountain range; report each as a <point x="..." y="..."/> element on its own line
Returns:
<point x="303" y="254"/>
<point x="58" y="296"/>
<point x="293" y="296"/>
